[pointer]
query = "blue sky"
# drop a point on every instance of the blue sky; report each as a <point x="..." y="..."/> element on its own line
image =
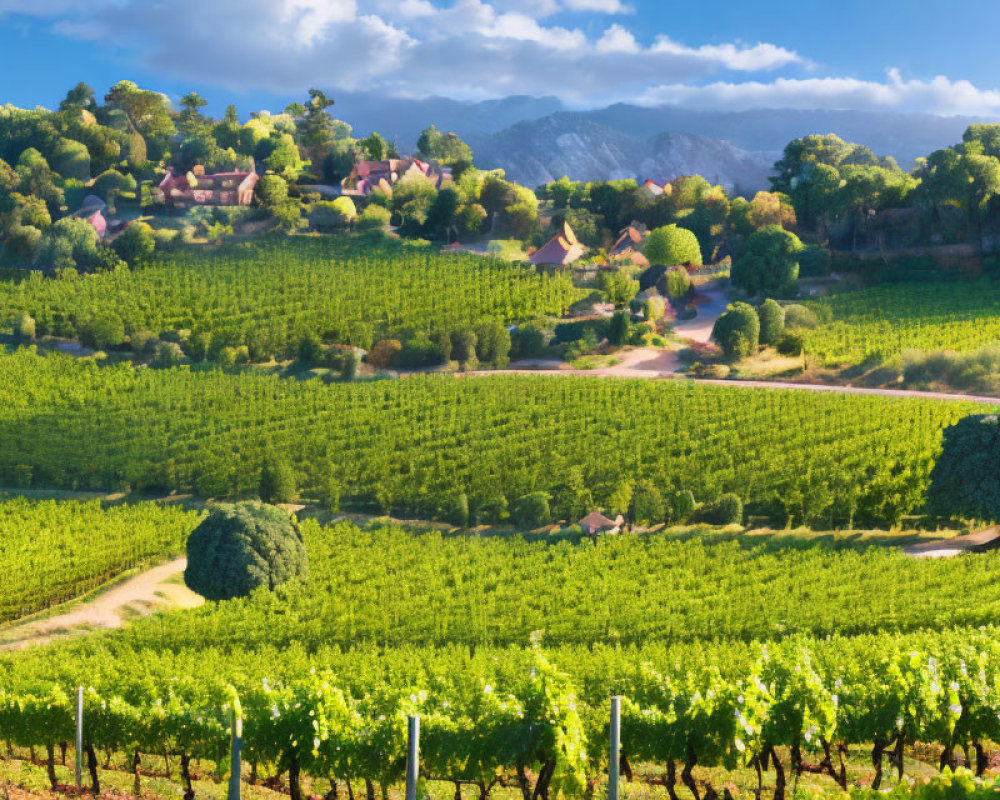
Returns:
<point x="905" y="55"/>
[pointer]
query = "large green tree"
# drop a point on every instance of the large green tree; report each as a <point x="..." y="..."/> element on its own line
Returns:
<point x="770" y="264"/>
<point x="672" y="246"/>
<point x="965" y="481"/>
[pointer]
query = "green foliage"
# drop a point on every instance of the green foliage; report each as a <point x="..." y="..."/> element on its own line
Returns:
<point x="456" y="509"/>
<point x="332" y="214"/>
<point x="883" y="321"/>
<point x="167" y="355"/>
<point x="58" y="551"/>
<point x="675" y="283"/>
<point x="135" y="245"/>
<point x="619" y="328"/>
<point x="532" y="511"/>
<point x="70" y="243"/>
<point x="101" y="331"/>
<point x="964" y="482"/>
<point x="94" y="428"/>
<point x="24" y="330"/>
<point x="682" y="505"/>
<point x="772" y="322"/>
<point x="653" y="308"/>
<point x="727" y="510"/>
<point x="618" y="286"/>
<point x="672" y="246"/>
<point x="374" y="218"/>
<point x="275" y="292"/>
<point x="528" y="341"/>
<point x="277" y="481"/>
<point x="446" y="148"/>
<point x="272" y="190"/>
<point x="799" y="316"/>
<point x="647" y="506"/>
<point x="239" y="548"/>
<point x="791" y="344"/>
<point x="769" y="265"/>
<point x="737" y="331"/>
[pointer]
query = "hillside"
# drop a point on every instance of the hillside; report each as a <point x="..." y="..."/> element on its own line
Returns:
<point x="533" y="153"/>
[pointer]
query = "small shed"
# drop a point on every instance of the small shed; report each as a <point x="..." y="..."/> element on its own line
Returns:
<point x="561" y="250"/>
<point x="596" y="522"/>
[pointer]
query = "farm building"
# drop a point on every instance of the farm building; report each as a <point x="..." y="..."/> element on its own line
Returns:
<point x="561" y="250"/>
<point x="367" y="176"/>
<point x="596" y="522"/>
<point x="626" y="247"/>
<point x="197" y="188"/>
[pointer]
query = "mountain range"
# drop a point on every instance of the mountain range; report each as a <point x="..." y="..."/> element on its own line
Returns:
<point x="537" y="140"/>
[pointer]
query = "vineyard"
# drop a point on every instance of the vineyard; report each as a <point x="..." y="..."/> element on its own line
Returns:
<point x="883" y="321"/>
<point x="56" y="551"/>
<point x="782" y="694"/>
<point x="409" y="446"/>
<point x="269" y="294"/>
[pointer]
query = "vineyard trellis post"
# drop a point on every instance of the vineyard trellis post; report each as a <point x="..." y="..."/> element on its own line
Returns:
<point x="412" y="755"/>
<point x="79" y="737"/>
<point x="235" y="764"/>
<point x="614" y="751"/>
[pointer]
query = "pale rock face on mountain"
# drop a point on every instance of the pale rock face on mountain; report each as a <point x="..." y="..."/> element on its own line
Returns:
<point x="534" y="153"/>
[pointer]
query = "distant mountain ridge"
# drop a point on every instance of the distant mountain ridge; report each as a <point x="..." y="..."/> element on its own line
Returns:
<point x="538" y="139"/>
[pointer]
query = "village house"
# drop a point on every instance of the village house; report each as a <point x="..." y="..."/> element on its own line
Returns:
<point x="92" y="210"/>
<point x="198" y="188"/>
<point x="367" y="176"/>
<point x="627" y="246"/>
<point x="561" y="250"/>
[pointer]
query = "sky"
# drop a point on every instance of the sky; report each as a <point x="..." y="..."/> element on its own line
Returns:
<point x="899" y="55"/>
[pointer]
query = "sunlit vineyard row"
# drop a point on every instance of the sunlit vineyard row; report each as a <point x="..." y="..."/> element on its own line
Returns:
<point x="670" y="625"/>
<point x="270" y="294"/>
<point x="410" y="446"/>
<point x="883" y="321"/>
<point x="54" y="551"/>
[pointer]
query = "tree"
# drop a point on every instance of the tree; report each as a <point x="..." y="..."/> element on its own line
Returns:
<point x="375" y="147"/>
<point x="772" y="322"/>
<point x="277" y="481"/>
<point x="618" y="286"/>
<point x="445" y="148"/>
<point x="315" y="123"/>
<point x="35" y="177"/>
<point x="284" y="158"/>
<point x="374" y="218"/>
<point x="287" y="214"/>
<point x="101" y="331"/>
<point x="737" y="331"/>
<point x="441" y="216"/>
<point x="332" y="214"/>
<point x="167" y="355"/>
<point x="146" y="111"/>
<point x="492" y="343"/>
<point x="965" y="481"/>
<point x="727" y="510"/>
<point x="239" y="548"/>
<point x="24" y="331"/>
<point x="136" y="244"/>
<point x="272" y="189"/>
<point x="80" y="97"/>
<point x="770" y="264"/>
<point x="384" y="353"/>
<point x="456" y="510"/>
<point x="675" y="283"/>
<point x="647" y="506"/>
<point x="619" y="328"/>
<point x="70" y="242"/>
<point x="672" y="246"/>
<point x="532" y="511"/>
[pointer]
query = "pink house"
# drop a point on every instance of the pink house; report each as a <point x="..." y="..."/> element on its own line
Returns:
<point x="197" y="188"/>
<point x="99" y="223"/>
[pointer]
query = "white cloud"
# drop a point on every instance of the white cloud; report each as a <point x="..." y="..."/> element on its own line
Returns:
<point x="939" y="95"/>
<point x="472" y="49"/>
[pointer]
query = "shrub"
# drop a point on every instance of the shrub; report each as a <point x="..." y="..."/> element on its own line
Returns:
<point x="772" y="322"/>
<point x="672" y="246"/>
<point x="136" y="243"/>
<point x="682" y="506"/>
<point x="618" y="330"/>
<point x="675" y="283"/>
<point x="791" y="344"/>
<point x="168" y="354"/>
<point x="328" y="215"/>
<point x="384" y="353"/>
<point x="618" y="286"/>
<point x="277" y="481"/>
<point x="374" y="218"/>
<point x="727" y="510"/>
<point x="272" y="189"/>
<point x="527" y="341"/>
<point x="653" y="308"/>
<point x="24" y="330"/>
<point x="309" y="350"/>
<point x="532" y="510"/>
<point x="102" y="331"/>
<point x="647" y="506"/>
<point x="456" y="510"/>
<point x="770" y="263"/>
<point x="737" y="331"/>
<point x="965" y="481"/>
<point x="799" y="316"/>
<point x="239" y="548"/>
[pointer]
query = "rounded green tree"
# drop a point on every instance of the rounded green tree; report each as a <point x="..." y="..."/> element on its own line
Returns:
<point x="672" y="246"/>
<point x="770" y="264"/>
<point x="965" y="481"/>
<point x="239" y="548"/>
<point x="772" y="322"/>
<point x="737" y="331"/>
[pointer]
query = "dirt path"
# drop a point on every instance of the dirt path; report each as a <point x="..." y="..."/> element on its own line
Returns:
<point x="140" y="595"/>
